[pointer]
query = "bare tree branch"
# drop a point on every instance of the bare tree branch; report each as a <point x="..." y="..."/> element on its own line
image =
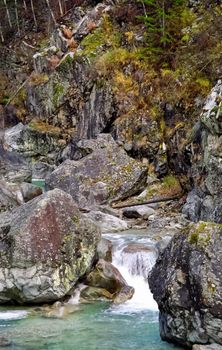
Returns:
<point x="60" y="8"/>
<point x="1" y="34"/>
<point x="25" y="6"/>
<point x="8" y="14"/>
<point x="33" y="13"/>
<point x="16" y="15"/>
<point x="51" y="12"/>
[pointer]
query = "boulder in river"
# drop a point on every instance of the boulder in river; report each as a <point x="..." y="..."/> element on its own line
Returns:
<point x="106" y="276"/>
<point x="46" y="246"/>
<point x="186" y="282"/>
<point x="104" y="175"/>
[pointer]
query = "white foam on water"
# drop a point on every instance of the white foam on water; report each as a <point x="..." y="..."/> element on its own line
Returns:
<point x="13" y="315"/>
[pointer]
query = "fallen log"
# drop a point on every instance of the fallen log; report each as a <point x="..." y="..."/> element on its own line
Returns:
<point x="151" y="201"/>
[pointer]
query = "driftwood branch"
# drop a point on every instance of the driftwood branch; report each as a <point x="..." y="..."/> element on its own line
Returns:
<point x="17" y="91"/>
<point x="151" y="201"/>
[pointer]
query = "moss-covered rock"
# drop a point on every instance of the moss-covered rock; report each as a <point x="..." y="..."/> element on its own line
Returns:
<point x="46" y="246"/>
<point x="187" y="284"/>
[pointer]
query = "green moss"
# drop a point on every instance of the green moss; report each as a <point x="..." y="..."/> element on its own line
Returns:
<point x="75" y="219"/>
<point x="201" y="235"/>
<point x="193" y="238"/>
<point x="103" y="36"/>
<point x="58" y="91"/>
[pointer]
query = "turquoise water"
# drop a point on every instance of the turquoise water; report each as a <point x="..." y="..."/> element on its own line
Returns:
<point x="92" y="327"/>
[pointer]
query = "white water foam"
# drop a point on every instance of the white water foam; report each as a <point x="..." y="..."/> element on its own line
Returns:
<point x="13" y="315"/>
<point x="135" y="267"/>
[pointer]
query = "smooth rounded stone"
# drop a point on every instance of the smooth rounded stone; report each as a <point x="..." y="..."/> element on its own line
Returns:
<point x="58" y="310"/>
<point x="213" y="346"/>
<point x="108" y="277"/>
<point x="186" y="282"/>
<point x="105" y="175"/>
<point x="107" y="222"/>
<point x="104" y="249"/>
<point x="125" y="294"/>
<point x="95" y="293"/>
<point x="46" y="246"/>
<point x="4" y="342"/>
<point x="139" y="211"/>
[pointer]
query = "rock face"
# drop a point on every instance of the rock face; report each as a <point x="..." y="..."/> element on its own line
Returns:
<point x="204" y="202"/>
<point x="104" y="175"/>
<point x="34" y="141"/>
<point x="46" y="245"/>
<point x="187" y="284"/>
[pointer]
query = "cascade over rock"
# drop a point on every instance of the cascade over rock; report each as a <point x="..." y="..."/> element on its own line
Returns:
<point x="204" y="201"/>
<point x="104" y="175"/>
<point x="45" y="246"/>
<point x="186" y="282"/>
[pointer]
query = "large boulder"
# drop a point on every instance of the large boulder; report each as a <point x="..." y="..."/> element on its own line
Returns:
<point x="186" y="282"/>
<point x="204" y="202"/>
<point x="45" y="246"/>
<point x="106" y="174"/>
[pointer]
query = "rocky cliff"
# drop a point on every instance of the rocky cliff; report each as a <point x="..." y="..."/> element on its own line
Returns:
<point x="204" y="201"/>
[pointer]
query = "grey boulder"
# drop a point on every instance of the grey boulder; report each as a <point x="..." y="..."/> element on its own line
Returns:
<point x="46" y="246"/>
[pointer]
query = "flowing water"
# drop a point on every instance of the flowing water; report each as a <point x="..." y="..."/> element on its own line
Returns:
<point x="97" y="326"/>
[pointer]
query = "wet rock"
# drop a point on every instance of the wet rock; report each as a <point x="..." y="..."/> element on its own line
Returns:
<point x="106" y="276"/>
<point x="139" y="211"/>
<point x="58" y="310"/>
<point x="104" y="249"/>
<point x="105" y="175"/>
<point x="213" y="346"/>
<point x="107" y="222"/>
<point x="186" y="283"/>
<point x="5" y="342"/>
<point x="46" y="245"/>
<point x="95" y="293"/>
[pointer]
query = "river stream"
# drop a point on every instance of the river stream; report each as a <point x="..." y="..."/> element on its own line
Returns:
<point x="100" y="325"/>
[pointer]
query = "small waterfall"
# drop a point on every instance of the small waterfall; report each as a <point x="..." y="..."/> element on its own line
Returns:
<point x="134" y="258"/>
